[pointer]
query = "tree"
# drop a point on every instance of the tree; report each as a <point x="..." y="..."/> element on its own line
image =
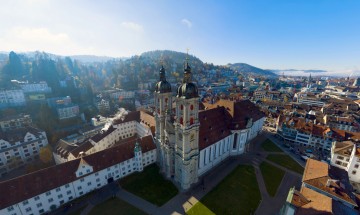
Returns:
<point x="45" y="154"/>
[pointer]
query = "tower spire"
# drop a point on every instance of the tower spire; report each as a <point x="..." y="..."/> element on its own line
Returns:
<point x="162" y="73"/>
<point x="187" y="69"/>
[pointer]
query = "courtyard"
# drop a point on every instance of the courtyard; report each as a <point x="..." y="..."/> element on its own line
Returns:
<point x="150" y="185"/>
<point x="255" y="182"/>
<point x="286" y="161"/>
<point x="238" y="193"/>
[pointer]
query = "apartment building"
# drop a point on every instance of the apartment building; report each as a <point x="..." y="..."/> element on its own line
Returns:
<point x="19" y="146"/>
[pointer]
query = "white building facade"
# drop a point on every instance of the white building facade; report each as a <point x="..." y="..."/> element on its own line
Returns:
<point x="191" y="141"/>
<point x="20" y="147"/>
<point x="73" y="179"/>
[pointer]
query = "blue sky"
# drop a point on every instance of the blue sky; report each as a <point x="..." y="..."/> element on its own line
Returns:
<point x="270" y="34"/>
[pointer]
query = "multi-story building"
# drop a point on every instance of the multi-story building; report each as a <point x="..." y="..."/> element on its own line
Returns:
<point x="308" y="134"/>
<point x="341" y="123"/>
<point x="103" y="105"/>
<point x="20" y="146"/>
<point x="346" y="155"/>
<point x="41" y="87"/>
<point x="118" y="130"/>
<point x="12" y="98"/>
<point x="309" y="99"/>
<point x="67" y="111"/>
<point x="120" y="95"/>
<point x="325" y="190"/>
<point x="47" y="189"/>
<point x="63" y="107"/>
<point x="196" y="137"/>
<point x="8" y="123"/>
<point x="54" y="102"/>
<point x="266" y="95"/>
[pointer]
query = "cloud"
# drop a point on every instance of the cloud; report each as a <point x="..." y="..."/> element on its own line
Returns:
<point x="31" y="39"/>
<point x="186" y="22"/>
<point x="132" y="26"/>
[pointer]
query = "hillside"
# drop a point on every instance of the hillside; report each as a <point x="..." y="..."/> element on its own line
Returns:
<point x="97" y="72"/>
<point x="246" y="68"/>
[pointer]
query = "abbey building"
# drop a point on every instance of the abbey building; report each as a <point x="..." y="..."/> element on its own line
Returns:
<point x="185" y="137"/>
<point x="192" y="137"/>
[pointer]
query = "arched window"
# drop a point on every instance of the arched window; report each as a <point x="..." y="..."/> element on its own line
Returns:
<point x="181" y="120"/>
<point x="181" y="107"/>
<point x="191" y="107"/>
<point x="191" y="120"/>
<point x="166" y="100"/>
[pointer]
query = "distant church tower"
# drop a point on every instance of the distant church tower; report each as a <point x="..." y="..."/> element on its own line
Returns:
<point x="357" y="82"/>
<point x="163" y="106"/>
<point x="187" y="132"/>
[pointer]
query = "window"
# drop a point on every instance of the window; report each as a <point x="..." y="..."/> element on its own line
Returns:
<point x="68" y="192"/>
<point x="48" y="193"/>
<point x="82" y="180"/>
<point x="356" y="166"/>
<point x="41" y="211"/>
<point x="60" y="196"/>
<point x="38" y="205"/>
<point x="340" y="157"/>
<point x="79" y="188"/>
<point x="57" y="189"/>
<point x="36" y="197"/>
<point x="25" y="202"/>
<point x="354" y="172"/>
<point x="51" y="200"/>
<point x="28" y="209"/>
<point x="89" y="183"/>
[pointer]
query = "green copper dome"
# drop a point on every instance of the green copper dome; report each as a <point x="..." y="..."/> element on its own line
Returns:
<point x="187" y="89"/>
<point x="162" y="86"/>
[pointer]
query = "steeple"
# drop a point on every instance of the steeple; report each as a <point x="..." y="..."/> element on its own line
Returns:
<point x="187" y="89"/>
<point x="162" y="73"/>
<point x="162" y="86"/>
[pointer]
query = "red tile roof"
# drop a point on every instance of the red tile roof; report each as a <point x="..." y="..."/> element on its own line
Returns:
<point x="30" y="185"/>
<point x="319" y="175"/>
<point x="240" y="111"/>
<point x="211" y="132"/>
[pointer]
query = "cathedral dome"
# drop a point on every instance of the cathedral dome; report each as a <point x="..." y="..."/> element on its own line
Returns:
<point x="187" y="91"/>
<point x="162" y="86"/>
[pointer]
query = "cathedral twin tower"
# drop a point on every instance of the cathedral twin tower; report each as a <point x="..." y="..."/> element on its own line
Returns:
<point x="177" y="131"/>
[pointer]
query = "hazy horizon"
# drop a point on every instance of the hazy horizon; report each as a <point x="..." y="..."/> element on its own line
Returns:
<point x="267" y="34"/>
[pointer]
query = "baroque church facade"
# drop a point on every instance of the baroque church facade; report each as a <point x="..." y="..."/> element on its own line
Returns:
<point x="193" y="137"/>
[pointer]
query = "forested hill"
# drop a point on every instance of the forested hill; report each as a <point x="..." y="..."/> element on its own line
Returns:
<point x="246" y="68"/>
<point x="100" y="74"/>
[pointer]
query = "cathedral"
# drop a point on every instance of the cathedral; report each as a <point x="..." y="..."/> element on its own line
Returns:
<point x="193" y="137"/>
